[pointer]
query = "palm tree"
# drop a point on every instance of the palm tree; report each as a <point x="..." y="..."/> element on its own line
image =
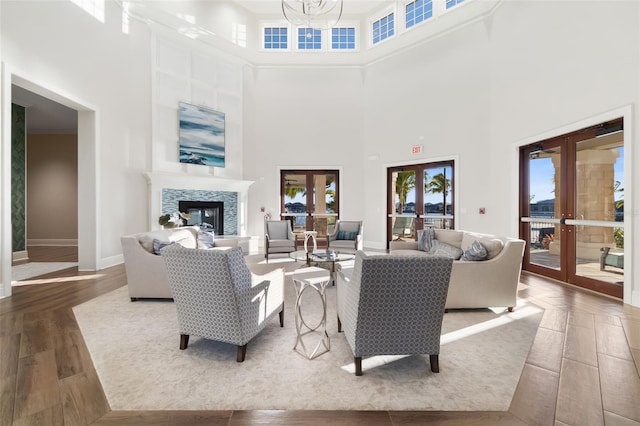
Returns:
<point x="405" y="182"/>
<point x="440" y="184"/>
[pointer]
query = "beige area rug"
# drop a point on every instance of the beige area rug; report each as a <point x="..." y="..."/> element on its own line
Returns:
<point x="134" y="346"/>
<point x="35" y="269"/>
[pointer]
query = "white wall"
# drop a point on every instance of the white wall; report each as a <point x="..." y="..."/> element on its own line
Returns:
<point x="58" y="46"/>
<point x="303" y="118"/>
<point x="530" y="68"/>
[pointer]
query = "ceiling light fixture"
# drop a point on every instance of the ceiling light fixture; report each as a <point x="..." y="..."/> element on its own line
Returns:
<point x="318" y="14"/>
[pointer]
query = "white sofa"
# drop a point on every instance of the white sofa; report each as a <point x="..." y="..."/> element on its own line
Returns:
<point x="146" y="271"/>
<point x="477" y="284"/>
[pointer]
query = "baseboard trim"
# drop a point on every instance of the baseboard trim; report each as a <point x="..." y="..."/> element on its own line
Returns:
<point x="68" y="242"/>
<point x="20" y="256"/>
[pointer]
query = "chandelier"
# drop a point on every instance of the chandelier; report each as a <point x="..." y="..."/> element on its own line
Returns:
<point x="319" y="14"/>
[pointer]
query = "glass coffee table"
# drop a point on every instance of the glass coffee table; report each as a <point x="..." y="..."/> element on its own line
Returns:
<point x="323" y="259"/>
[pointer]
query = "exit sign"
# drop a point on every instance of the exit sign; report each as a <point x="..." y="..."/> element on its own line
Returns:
<point x="416" y="149"/>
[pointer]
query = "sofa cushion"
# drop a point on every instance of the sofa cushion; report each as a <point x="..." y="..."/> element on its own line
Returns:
<point x="438" y="248"/>
<point x="474" y="252"/>
<point x="450" y="236"/>
<point x="493" y="245"/>
<point x="409" y="252"/>
<point x="158" y="245"/>
<point x="185" y="237"/>
<point x="425" y="239"/>
<point x="205" y="239"/>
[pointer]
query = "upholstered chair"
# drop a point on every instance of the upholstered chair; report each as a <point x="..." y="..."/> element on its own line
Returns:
<point x="393" y="305"/>
<point x="278" y="237"/>
<point x="346" y="236"/>
<point x="217" y="297"/>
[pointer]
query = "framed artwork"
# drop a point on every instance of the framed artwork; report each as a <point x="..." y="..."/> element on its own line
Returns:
<point x="201" y="135"/>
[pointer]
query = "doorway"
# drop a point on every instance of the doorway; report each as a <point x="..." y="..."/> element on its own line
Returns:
<point x="420" y="196"/>
<point x="88" y="205"/>
<point x="572" y="207"/>
<point x="310" y="200"/>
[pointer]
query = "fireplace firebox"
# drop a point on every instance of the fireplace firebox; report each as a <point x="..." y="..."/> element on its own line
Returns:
<point x="206" y="214"/>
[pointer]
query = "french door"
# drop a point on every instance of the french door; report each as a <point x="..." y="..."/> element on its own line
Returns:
<point x="419" y="196"/>
<point x="571" y="207"/>
<point x="310" y="199"/>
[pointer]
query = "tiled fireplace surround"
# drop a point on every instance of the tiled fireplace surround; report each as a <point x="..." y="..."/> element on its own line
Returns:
<point x="171" y="197"/>
<point x="166" y="189"/>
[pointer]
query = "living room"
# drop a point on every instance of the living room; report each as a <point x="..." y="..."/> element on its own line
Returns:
<point x="335" y="112"/>
<point x="502" y="75"/>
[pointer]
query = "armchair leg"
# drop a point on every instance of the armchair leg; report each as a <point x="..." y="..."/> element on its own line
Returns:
<point x="242" y="351"/>
<point x="184" y="341"/>
<point x="510" y="309"/>
<point x="357" y="360"/>
<point x="435" y="366"/>
<point x="339" y="325"/>
<point x="281" y="314"/>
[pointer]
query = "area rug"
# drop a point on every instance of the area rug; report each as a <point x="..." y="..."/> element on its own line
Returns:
<point x="134" y="347"/>
<point x="35" y="269"/>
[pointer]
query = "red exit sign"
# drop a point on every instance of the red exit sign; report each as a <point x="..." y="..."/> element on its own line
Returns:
<point x="416" y="149"/>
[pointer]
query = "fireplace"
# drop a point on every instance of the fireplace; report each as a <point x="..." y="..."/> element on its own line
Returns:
<point x="206" y="214"/>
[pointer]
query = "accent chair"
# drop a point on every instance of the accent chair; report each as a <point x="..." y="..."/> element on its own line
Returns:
<point x="346" y="236"/>
<point x="217" y="297"/>
<point x="393" y="305"/>
<point x="278" y="237"/>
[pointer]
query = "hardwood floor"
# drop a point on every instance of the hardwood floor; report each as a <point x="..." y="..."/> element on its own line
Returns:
<point x="582" y="369"/>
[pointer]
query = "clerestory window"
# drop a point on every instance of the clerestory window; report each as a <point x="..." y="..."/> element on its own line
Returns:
<point x="343" y="38"/>
<point x="383" y="28"/>
<point x="451" y="3"/>
<point x="418" y="11"/>
<point x="309" y="39"/>
<point x="276" y="38"/>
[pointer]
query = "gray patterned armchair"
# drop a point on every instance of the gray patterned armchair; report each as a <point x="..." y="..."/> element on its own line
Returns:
<point x="217" y="297"/>
<point x="393" y="305"/>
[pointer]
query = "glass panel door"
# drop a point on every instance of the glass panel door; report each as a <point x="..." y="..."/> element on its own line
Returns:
<point x="324" y="203"/>
<point x="419" y="196"/>
<point x="572" y="207"/>
<point x="599" y="219"/>
<point x="294" y="194"/>
<point x="403" y="204"/>
<point x="545" y="207"/>
<point x="310" y="199"/>
<point x="438" y="205"/>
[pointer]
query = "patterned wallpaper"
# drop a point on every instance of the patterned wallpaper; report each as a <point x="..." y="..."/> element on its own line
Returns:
<point x="18" y="174"/>
<point x="171" y="197"/>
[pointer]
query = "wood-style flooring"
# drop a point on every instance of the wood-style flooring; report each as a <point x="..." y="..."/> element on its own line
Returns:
<point x="582" y="368"/>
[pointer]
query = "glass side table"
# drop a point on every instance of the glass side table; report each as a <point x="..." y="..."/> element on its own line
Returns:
<point x="315" y="280"/>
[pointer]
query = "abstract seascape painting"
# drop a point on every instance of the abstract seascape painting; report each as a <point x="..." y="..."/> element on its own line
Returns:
<point x="201" y="135"/>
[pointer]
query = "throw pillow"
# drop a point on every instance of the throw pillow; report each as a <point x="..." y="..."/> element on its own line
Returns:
<point x="475" y="252"/>
<point x="426" y="239"/>
<point x="346" y="235"/>
<point x="493" y="245"/>
<point x="205" y="239"/>
<point x="158" y="245"/>
<point x="439" y="248"/>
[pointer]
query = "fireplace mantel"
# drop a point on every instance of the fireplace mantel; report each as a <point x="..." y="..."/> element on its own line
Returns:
<point x="158" y="181"/>
<point x="183" y="181"/>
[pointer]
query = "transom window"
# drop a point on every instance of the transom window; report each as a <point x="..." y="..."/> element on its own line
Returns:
<point x="418" y="11"/>
<point x="343" y="38"/>
<point x="383" y="28"/>
<point x="309" y="38"/>
<point x="276" y="38"/>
